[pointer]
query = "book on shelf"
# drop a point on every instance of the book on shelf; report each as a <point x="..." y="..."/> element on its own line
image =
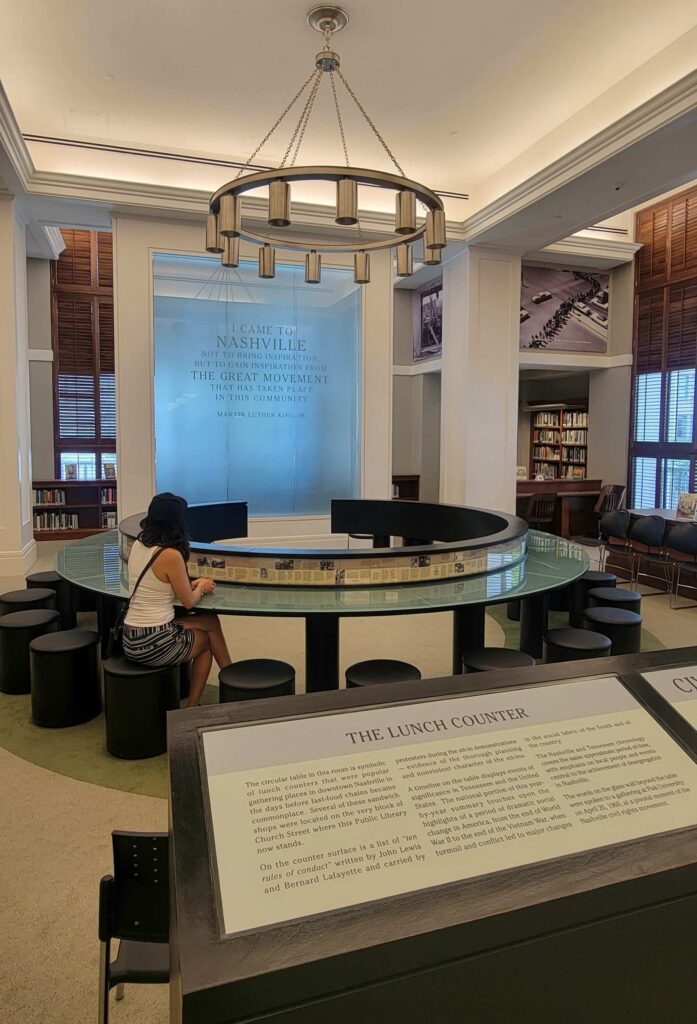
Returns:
<point x="56" y="521"/>
<point x="108" y="496"/>
<point x="546" y="454"/>
<point x="575" y="419"/>
<point x="574" y="436"/>
<point x="575" y="455"/>
<point x="546" y="419"/>
<point x="48" y="496"/>
<point x="574" y="473"/>
<point x="108" y="520"/>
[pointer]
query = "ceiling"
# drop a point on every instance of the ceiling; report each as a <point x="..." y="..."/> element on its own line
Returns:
<point x="459" y="91"/>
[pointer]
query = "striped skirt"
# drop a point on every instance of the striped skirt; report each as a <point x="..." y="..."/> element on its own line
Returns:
<point x="158" y="646"/>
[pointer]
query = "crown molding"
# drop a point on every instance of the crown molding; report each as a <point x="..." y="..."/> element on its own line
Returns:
<point x="534" y="359"/>
<point x="603" y="252"/>
<point x="678" y="99"/>
<point x="11" y="141"/>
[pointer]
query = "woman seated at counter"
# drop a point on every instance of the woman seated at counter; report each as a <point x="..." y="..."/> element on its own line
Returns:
<point x="152" y="633"/>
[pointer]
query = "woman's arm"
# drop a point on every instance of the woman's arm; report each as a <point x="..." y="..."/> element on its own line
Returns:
<point x="173" y="568"/>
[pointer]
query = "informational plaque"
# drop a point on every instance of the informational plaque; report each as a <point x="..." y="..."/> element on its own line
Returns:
<point x="320" y="812"/>
<point x="679" y="687"/>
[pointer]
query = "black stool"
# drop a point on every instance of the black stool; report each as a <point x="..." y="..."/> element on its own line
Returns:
<point x="489" y="659"/>
<point x="579" y="593"/>
<point x="614" y="597"/>
<point x="26" y="600"/>
<point x="136" y="701"/>
<point x="569" y="644"/>
<point x="64" y="594"/>
<point x="17" y="630"/>
<point x="559" y="599"/>
<point x="380" y="670"/>
<point x="256" y="678"/>
<point x="65" y="683"/>
<point x="622" y="628"/>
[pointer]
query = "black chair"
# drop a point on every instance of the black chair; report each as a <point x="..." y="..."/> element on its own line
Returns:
<point x="540" y="510"/>
<point x="136" y="702"/>
<point x="491" y="659"/>
<point x="134" y="908"/>
<point x="569" y="644"/>
<point x="26" y="600"/>
<point x="65" y="598"/>
<point x="610" y="499"/>
<point x="613" y="529"/>
<point x="580" y="589"/>
<point x="256" y="678"/>
<point x="621" y="627"/>
<point x="681" y="545"/>
<point x="646" y="537"/>
<point x="615" y="597"/>
<point x="380" y="670"/>
<point x="65" y="680"/>
<point x="17" y="630"/>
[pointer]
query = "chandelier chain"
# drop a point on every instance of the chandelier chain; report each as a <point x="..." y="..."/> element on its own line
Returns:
<point x="314" y="78"/>
<point x="307" y="113"/>
<point x="363" y="111"/>
<point x="273" y="128"/>
<point x="338" y="117"/>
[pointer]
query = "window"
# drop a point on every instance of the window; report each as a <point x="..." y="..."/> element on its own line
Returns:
<point x="83" y="355"/>
<point x="663" y="442"/>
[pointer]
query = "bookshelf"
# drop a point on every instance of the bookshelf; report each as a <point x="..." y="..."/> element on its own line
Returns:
<point x="70" y="509"/>
<point x="559" y="441"/>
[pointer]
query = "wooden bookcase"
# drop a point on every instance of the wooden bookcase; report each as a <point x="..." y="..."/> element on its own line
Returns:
<point x="87" y="503"/>
<point x="559" y="440"/>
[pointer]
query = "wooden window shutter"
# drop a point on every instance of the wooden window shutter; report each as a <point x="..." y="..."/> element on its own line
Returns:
<point x="107" y="378"/>
<point x="648" y="354"/>
<point x="652" y="234"/>
<point x="74" y="266"/>
<point x="681" y="330"/>
<point x="74" y="362"/>
<point x="683" y="236"/>
<point x="105" y="260"/>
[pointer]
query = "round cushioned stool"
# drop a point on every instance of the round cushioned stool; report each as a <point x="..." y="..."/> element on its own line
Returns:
<point x="578" y="599"/>
<point x="256" y="678"/>
<point x="489" y="659"/>
<point x="136" y="701"/>
<point x="65" y="684"/>
<point x="614" y="597"/>
<point x="63" y="591"/>
<point x="569" y="644"/>
<point x="380" y="670"/>
<point x="24" y="600"/>
<point x="623" y="628"/>
<point x="17" y="630"/>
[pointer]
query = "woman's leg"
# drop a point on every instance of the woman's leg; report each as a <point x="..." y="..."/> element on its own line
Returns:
<point x="209" y="623"/>
<point x="202" y="660"/>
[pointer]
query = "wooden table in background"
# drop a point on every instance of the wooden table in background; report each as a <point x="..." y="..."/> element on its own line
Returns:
<point x="576" y="500"/>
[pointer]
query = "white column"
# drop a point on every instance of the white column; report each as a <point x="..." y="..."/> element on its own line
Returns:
<point x="479" y="401"/>
<point x="17" y="546"/>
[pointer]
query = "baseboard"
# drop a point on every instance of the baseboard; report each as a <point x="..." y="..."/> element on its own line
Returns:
<point x="18" y="563"/>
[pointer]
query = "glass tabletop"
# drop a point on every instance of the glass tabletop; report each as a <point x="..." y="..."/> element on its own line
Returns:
<point x="94" y="564"/>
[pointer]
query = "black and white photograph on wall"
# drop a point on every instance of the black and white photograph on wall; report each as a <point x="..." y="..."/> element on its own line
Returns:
<point x="564" y="310"/>
<point x="428" y="337"/>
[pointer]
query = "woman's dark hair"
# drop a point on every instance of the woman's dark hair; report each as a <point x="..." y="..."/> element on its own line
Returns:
<point x="165" y="524"/>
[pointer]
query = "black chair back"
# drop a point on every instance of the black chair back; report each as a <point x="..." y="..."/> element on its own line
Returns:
<point x="648" y="530"/>
<point x="683" y="538"/>
<point x="611" y="498"/>
<point x="614" y="524"/>
<point x="540" y="508"/>
<point x="140" y="892"/>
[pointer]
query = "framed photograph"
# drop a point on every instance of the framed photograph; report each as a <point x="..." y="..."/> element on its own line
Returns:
<point x="521" y="472"/>
<point x="564" y="310"/>
<point x="70" y="469"/>
<point x="109" y="471"/>
<point x="428" y="333"/>
<point x="687" y="506"/>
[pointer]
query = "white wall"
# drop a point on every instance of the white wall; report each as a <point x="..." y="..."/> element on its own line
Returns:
<point x="135" y="240"/>
<point x="608" y="424"/>
<point x="40" y="368"/>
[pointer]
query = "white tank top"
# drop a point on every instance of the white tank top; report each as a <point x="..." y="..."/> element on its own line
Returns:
<point x="153" y="604"/>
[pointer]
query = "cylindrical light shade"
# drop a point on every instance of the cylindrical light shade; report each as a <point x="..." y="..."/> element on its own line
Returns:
<point x="405" y="266"/>
<point x="431" y="256"/>
<point x="230" y="215"/>
<point x="267" y="261"/>
<point x="313" y="267"/>
<point x="213" y="241"/>
<point x="405" y="213"/>
<point x="279" y="204"/>
<point x="361" y="268"/>
<point x="435" y="229"/>
<point x="231" y="252"/>
<point x="346" y="201"/>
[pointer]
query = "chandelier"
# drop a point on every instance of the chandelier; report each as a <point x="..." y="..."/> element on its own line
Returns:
<point x="225" y="226"/>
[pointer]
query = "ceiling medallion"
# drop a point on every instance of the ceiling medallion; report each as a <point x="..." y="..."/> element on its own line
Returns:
<point x="225" y="226"/>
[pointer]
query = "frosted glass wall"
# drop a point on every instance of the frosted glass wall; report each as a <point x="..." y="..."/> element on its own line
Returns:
<point x="256" y="385"/>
